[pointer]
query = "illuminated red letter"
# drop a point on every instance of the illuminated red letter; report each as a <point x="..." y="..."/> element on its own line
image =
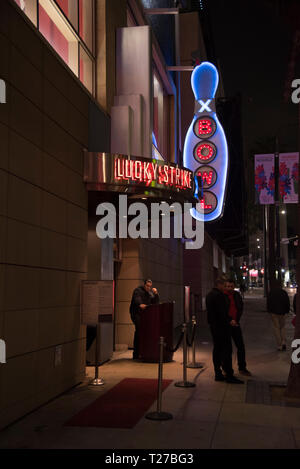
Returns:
<point x="206" y="177"/>
<point x="204" y="127"/>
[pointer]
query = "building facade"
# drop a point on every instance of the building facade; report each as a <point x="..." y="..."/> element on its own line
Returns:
<point x="81" y="78"/>
<point x="45" y="126"/>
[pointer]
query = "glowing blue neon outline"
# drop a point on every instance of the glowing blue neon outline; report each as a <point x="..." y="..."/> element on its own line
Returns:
<point x="214" y="84"/>
<point x="189" y="146"/>
<point x="154" y="140"/>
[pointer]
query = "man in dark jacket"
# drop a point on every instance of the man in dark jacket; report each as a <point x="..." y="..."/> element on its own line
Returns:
<point x="278" y="304"/>
<point x="235" y="312"/>
<point x="217" y="305"/>
<point x="142" y="297"/>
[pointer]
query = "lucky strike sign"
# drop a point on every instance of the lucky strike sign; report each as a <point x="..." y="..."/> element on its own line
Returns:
<point x="152" y="173"/>
<point x="134" y="174"/>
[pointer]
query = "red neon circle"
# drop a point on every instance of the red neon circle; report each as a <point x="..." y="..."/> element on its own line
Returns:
<point x="205" y="127"/>
<point x="202" y="156"/>
<point x="205" y="152"/>
<point x="209" y="202"/>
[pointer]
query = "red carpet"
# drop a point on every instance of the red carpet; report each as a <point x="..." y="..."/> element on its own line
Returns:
<point x="120" y="407"/>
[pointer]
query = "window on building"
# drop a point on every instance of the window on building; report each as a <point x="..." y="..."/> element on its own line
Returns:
<point x="164" y="111"/>
<point x="29" y="8"/>
<point x="160" y="117"/>
<point x="58" y="34"/>
<point x="86" y="70"/>
<point x="68" y="25"/>
<point x="70" y="9"/>
<point x="86" y="13"/>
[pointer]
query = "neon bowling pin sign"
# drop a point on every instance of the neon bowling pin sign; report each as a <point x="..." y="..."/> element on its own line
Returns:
<point x="205" y="148"/>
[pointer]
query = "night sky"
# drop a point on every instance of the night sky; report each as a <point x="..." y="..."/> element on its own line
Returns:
<point x="253" y="43"/>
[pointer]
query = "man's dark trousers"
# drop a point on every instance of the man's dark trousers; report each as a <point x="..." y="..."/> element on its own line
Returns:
<point x="237" y="337"/>
<point x="222" y="351"/>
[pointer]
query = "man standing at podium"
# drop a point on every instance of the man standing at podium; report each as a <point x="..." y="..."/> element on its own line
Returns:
<point x="142" y="297"/>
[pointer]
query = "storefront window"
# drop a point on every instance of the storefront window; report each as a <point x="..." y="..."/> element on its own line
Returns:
<point x="58" y="34"/>
<point x="70" y="9"/>
<point x="29" y="8"/>
<point x="86" y="14"/>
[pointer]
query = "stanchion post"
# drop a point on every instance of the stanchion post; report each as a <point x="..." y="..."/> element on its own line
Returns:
<point x="160" y="370"/>
<point x="185" y="383"/>
<point x="194" y="364"/>
<point x="184" y="352"/>
<point x="97" y="381"/>
<point x="159" y="415"/>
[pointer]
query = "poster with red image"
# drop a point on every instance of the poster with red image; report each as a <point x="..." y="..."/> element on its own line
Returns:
<point x="264" y="177"/>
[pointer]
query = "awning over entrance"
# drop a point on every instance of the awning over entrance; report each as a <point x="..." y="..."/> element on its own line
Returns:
<point x="135" y="175"/>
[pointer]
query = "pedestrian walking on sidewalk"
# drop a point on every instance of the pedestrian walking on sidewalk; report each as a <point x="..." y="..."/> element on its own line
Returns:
<point x="242" y="289"/>
<point x="278" y="304"/>
<point x="217" y="305"/>
<point x="236" y="309"/>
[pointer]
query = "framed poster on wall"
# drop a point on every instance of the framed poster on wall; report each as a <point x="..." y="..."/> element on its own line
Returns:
<point x="96" y="301"/>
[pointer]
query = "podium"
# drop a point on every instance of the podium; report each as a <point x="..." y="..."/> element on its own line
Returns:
<point x="156" y="322"/>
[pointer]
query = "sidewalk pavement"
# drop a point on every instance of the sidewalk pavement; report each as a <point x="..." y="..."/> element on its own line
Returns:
<point x="211" y="415"/>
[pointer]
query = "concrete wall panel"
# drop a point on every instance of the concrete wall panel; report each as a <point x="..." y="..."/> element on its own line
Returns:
<point x="44" y="129"/>
<point x="4" y="139"/>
